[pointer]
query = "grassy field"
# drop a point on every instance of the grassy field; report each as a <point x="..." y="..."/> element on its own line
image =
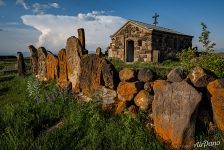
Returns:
<point x="36" y="115"/>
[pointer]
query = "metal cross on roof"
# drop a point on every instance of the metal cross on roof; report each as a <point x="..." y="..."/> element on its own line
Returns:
<point x="155" y="19"/>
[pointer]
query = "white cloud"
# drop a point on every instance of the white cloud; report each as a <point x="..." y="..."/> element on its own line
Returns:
<point x="56" y="29"/>
<point x="55" y="5"/>
<point x="2" y="3"/>
<point x="23" y="3"/>
<point x="38" y="8"/>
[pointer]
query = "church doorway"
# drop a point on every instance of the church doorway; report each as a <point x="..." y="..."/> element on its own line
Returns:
<point x="130" y="51"/>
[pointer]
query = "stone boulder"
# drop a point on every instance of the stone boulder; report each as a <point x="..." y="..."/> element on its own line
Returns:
<point x="99" y="52"/>
<point x="133" y="111"/>
<point x="148" y="86"/>
<point x="127" y="74"/>
<point x="145" y="75"/>
<point x="176" y="75"/>
<point x="74" y="52"/>
<point x="52" y="66"/>
<point x="216" y="89"/>
<point x="109" y="74"/>
<point x="42" y="66"/>
<point x="174" y="112"/>
<point x="63" y="73"/>
<point x="143" y="100"/>
<point x="95" y="71"/>
<point x="199" y="77"/>
<point x="120" y="106"/>
<point x="33" y="59"/>
<point x="106" y="95"/>
<point x="21" y="64"/>
<point x="127" y="90"/>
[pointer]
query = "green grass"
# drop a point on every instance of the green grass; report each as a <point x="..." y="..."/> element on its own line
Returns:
<point x="28" y="109"/>
<point x="25" y="118"/>
<point x="160" y="69"/>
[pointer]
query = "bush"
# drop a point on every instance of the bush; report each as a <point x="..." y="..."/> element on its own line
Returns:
<point x="213" y="63"/>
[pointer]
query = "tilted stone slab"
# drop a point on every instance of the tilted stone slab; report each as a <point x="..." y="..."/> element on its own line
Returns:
<point x="216" y="89"/>
<point x="74" y="52"/>
<point x="33" y="59"/>
<point x="174" y="112"/>
<point x="42" y="66"/>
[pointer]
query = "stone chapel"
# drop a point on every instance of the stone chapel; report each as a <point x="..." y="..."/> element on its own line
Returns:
<point x="141" y="42"/>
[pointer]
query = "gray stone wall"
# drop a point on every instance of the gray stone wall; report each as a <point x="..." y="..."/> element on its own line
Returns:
<point x="169" y="44"/>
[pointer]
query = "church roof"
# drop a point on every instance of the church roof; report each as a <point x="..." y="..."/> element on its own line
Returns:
<point x="153" y="27"/>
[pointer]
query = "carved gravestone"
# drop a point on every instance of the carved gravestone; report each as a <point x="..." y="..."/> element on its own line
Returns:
<point x="42" y="66"/>
<point x="52" y="66"/>
<point x="216" y="89"/>
<point x="96" y="72"/>
<point x="63" y="73"/>
<point x="98" y="51"/>
<point x="74" y="52"/>
<point x="34" y="59"/>
<point x="174" y="112"/>
<point x="21" y="64"/>
<point x="81" y="37"/>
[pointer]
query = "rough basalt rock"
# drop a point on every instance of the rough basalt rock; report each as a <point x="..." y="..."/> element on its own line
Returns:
<point x="52" y="66"/>
<point x="21" y="64"/>
<point x="216" y="89"/>
<point x="127" y="74"/>
<point x="33" y="59"/>
<point x="42" y="66"/>
<point x="143" y="100"/>
<point x="95" y="71"/>
<point x="74" y="52"/>
<point x="176" y="75"/>
<point x="127" y="90"/>
<point x="199" y="77"/>
<point x="174" y="112"/>
<point x="145" y="75"/>
<point x="99" y="52"/>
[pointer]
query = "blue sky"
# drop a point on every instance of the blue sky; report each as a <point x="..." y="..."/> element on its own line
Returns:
<point x="49" y="23"/>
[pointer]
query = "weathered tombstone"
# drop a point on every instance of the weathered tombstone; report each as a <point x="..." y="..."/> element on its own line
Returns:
<point x="42" y="66"/>
<point x="98" y="51"/>
<point x="63" y="73"/>
<point x="21" y="64"/>
<point x="174" y="112"/>
<point x="81" y="37"/>
<point x="52" y="66"/>
<point x="34" y="59"/>
<point x="216" y="89"/>
<point x="156" y="54"/>
<point x="74" y="52"/>
<point x="95" y="71"/>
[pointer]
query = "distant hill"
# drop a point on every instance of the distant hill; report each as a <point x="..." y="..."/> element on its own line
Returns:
<point x="221" y="53"/>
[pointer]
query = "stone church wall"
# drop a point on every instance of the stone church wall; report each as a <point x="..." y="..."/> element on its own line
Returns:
<point x="142" y="43"/>
<point x="145" y="42"/>
<point x="169" y="44"/>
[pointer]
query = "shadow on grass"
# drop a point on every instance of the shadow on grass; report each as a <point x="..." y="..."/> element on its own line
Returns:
<point x="4" y="90"/>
